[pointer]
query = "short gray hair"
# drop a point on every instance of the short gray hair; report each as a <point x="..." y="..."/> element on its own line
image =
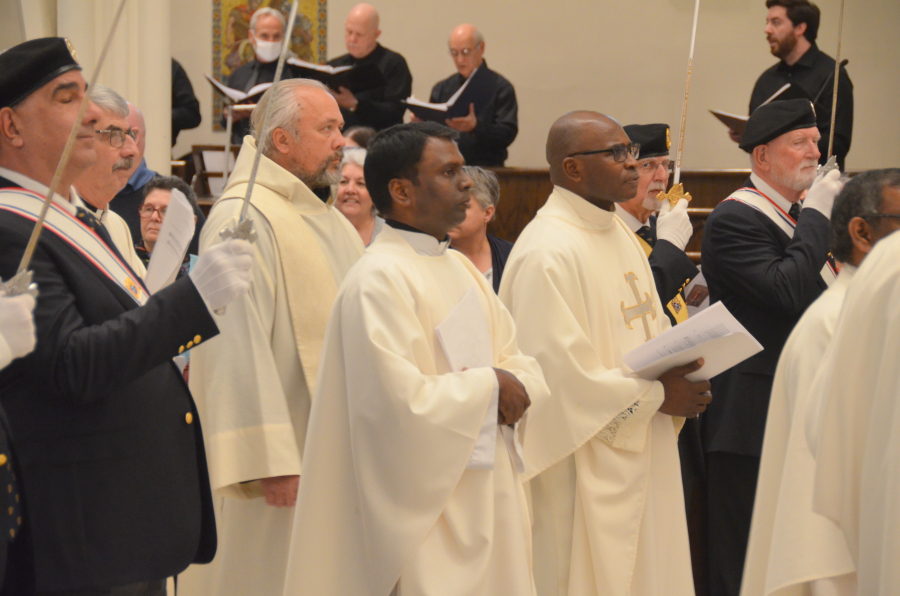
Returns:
<point x="286" y="111"/>
<point x="487" y="188"/>
<point x="109" y="101"/>
<point x="267" y="12"/>
<point x="354" y="155"/>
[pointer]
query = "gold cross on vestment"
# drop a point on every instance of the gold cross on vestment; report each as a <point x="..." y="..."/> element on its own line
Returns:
<point x="639" y="310"/>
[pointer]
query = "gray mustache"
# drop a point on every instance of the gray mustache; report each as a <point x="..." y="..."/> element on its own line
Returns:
<point x="123" y="164"/>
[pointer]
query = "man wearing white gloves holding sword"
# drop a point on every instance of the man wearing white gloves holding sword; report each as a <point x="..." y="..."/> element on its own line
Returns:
<point x="766" y="257"/>
<point x="112" y="468"/>
<point x="665" y="236"/>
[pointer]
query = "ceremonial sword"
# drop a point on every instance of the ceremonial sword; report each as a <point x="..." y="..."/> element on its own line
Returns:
<point x="676" y="193"/>
<point x="20" y="283"/>
<point x="831" y="164"/>
<point x="244" y="228"/>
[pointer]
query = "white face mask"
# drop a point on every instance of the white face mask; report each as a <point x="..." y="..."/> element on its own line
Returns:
<point x="268" y="51"/>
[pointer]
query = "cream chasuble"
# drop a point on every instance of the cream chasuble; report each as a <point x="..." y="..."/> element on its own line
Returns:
<point x="793" y="551"/>
<point x="252" y="384"/>
<point x="608" y="505"/>
<point x="387" y="499"/>
<point x="857" y="475"/>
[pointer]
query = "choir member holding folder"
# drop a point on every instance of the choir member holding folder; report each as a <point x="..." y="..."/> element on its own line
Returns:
<point x="368" y="104"/>
<point x="486" y="112"/>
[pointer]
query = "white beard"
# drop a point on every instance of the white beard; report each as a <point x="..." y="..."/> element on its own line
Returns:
<point x="798" y="180"/>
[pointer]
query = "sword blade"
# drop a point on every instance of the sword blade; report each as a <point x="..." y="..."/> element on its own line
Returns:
<point x="67" y="151"/>
<point x="837" y="72"/>
<point x="687" y="90"/>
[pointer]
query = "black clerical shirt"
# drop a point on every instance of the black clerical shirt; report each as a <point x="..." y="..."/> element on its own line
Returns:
<point x="498" y="122"/>
<point x="379" y="107"/>
<point x="814" y="74"/>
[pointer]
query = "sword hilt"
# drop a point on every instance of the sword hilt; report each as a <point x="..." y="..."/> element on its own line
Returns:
<point x="243" y="231"/>
<point x="829" y="165"/>
<point x="19" y="284"/>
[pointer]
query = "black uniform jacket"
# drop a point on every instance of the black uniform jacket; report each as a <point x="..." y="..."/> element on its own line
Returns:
<point x="107" y="435"/>
<point x="766" y="280"/>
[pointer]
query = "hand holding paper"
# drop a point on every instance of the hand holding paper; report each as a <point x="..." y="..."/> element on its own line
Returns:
<point x="714" y="335"/>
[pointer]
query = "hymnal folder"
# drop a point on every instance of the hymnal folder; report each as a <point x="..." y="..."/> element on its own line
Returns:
<point x="739" y="123"/>
<point x="236" y="95"/>
<point x="476" y="91"/>
<point x="357" y="79"/>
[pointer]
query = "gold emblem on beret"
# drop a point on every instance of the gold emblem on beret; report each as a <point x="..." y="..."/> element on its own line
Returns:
<point x="71" y="49"/>
<point x="668" y="138"/>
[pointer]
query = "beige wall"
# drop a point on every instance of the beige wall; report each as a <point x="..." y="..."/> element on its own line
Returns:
<point x="624" y="57"/>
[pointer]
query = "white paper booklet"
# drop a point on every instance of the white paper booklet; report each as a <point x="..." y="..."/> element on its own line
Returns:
<point x="714" y="335"/>
<point x="171" y="246"/>
<point x="466" y="340"/>
<point x="236" y="95"/>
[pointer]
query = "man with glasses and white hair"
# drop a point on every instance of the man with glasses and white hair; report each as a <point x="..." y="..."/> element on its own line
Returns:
<point x="254" y="387"/>
<point x="116" y="149"/>
<point x="266" y="35"/>
<point x="601" y="453"/>
<point x="766" y="257"/>
<point x="662" y="237"/>
<point x="485" y="134"/>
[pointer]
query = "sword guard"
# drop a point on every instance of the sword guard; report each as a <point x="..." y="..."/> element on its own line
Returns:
<point x="829" y="165"/>
<point x="675" y="194"/>
<point x="243" y="231"/>
<point x="19" y="284"/>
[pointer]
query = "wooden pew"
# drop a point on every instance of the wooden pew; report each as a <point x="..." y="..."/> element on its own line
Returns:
<point x="523" y="191"/>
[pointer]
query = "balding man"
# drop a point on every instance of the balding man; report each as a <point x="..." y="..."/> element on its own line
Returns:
<point x="602" y="452"/>
<point x="254" y="388"/>
<point x="487" y="130"/>
<point x="380" y="107"/>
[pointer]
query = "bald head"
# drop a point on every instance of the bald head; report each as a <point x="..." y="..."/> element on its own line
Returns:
<point x="361" y="30"/>
<point x="466" y="48"/>
<point x="596" y="177"/>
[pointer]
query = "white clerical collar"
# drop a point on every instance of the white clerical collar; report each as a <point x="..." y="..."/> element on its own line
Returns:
<point x="424" y="244"/>
<point x="763" y="187"/>
<point x="36" y="187"/>
<point x="585" y="210"/>
<point x="633" y="223"/>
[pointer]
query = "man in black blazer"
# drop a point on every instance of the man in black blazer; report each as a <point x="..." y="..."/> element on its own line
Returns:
<point x="106" y="434"/>
<point x="766" y="257"/>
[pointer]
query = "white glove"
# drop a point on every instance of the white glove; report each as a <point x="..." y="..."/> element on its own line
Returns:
<point x="16" y="327"/>
<point x="674" y="224"/>
<point x="822" y="192"/>
<point x="222" y="274"/>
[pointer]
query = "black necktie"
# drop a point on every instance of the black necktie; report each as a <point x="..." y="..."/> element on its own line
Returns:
<point x="645" y="235"/>
<point x="794" y="211"/>
<point x="91" y="221"/>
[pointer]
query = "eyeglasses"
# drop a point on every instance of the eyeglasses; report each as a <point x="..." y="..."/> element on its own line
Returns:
<point x="649" y="166"/>
<point x="884" y="215"/>
<point x="117" y="136"/>
<point x="463" y="52"/>
<point x="619" y="152"/>
<point x="147" y="211"/>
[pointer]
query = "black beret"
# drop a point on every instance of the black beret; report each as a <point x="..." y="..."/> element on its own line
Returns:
<point x="772" y="120"/>
<point x="655" y="139"/>
<point x="27" y="67"/>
